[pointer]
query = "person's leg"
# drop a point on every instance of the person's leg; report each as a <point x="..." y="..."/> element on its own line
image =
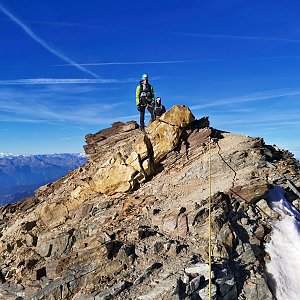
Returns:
<point x="142" y="117"/>
<point x="154" y="114"/>
<point x="151" y="111"/>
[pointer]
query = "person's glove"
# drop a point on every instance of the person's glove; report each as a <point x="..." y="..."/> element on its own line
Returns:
<point x="151" y="104"/>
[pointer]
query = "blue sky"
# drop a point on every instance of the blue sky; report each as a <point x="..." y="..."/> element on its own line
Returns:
<point x="68" y="68"/>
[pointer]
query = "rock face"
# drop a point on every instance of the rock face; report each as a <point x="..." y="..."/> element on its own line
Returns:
<point x="132" y="223"/>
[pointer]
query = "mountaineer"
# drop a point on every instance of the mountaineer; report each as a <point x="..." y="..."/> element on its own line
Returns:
<point x="159" y="108"/>
<point x="144" y="97"/>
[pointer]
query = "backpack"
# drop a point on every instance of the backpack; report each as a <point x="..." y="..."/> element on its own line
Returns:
<point x="159" y="110"/>
<point x="145" y="95"/>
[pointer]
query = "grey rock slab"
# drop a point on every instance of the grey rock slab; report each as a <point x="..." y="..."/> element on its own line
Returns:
<point x="247" y="255"/>
<point x="112" y="292"/>
<point x="194" y="284"/>
<point x="81" y="296"/>
<point x="147" y="272"/>
<point x="257" y="290"/>
<point x="11" y="288"/>
<point x="160" y="291"/>
<point x="199" y="269"/>
<point x="227" y="287"/>
<point x="266" y="210"/>
<point x="204" y="293"/>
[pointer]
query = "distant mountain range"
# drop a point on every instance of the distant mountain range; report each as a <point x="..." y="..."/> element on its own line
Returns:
<point x="20" y="175"/>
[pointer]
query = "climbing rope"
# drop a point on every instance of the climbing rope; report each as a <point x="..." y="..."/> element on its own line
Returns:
<point x="233" y="180"/>
<point x="209" y="223"/>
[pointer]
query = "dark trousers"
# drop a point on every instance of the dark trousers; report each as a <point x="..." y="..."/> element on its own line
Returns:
<point x="142" y="115"/>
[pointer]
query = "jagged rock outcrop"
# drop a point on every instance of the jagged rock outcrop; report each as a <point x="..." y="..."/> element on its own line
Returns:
<point x="136" y="161"/>
<point x="133" y="222"/>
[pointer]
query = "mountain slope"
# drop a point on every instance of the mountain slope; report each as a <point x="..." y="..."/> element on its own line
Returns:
<point x="20" y="175"/>
<point x="132" y="223"/>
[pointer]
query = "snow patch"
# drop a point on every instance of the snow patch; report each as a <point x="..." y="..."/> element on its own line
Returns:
<point x="7" y="155"/>
<point x="278" y="202"/>
<point x="284" y="248"/>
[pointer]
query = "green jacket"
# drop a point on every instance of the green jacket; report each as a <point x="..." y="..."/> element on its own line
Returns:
<point x="137" y="95"/>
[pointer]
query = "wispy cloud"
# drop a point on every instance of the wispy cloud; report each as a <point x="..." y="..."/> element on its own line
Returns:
<point x="52" y="23"/>
<point x="239" y="37"/>
<point x="264" y="95"/>
<point x="57" y="81"/>
<point x="43" y="43"/>
<point x="40" y="81"/>
<point x="20" y="119"/>
<point x="124" y="118"/>
<point x="262" y="120"/>
<point x="65" y="139"/>
<point x="37" y="106"/>
<point x="205" y="60"/>
<point x="131" y="63"/>
<point x="55" y="23"/>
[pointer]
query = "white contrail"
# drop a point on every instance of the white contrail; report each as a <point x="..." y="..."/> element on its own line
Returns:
<point x="38" y="81"/>
<point x="44" y="44"/>
<point x="264" y="95"/>
<point x="227" y="36"/>
<point x="212" y="60"/>
<point x="62" y="24"/>
<point x="133" y="63"/>
<point x="188" y="61"/>
<point x="51" y="23"/>
<point x="245" y="37"/>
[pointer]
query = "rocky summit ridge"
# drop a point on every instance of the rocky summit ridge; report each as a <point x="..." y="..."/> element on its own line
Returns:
<point x="132" y="223"/>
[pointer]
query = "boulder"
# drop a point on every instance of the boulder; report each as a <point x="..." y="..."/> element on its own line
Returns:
<point x="121" y="172"/>
<point x="257" y="289"/>
<point x="118" y="178"/>
<point x="251" y="193"/>
<point x="178" y="115"/>
<point x="199" y="269"/>
<point x="265" y="209"/>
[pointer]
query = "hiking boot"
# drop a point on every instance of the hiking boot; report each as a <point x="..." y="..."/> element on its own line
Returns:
<point x="143" y="130"/>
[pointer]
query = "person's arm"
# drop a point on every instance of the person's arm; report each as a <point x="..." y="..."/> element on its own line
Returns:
<point x="152" y="94"/>
<point x="163" y="109"/>
<point x="137" y="95"/>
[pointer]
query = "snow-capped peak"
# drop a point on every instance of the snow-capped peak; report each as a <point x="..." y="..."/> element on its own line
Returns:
<point x="7" y="155"/>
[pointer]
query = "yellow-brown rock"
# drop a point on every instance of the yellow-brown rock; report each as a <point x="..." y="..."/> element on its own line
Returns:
<point x="121" y="172"/>
<point x="178" y="115"/>
<point x="115" y="179"/>
<point x="164" y="138"/>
